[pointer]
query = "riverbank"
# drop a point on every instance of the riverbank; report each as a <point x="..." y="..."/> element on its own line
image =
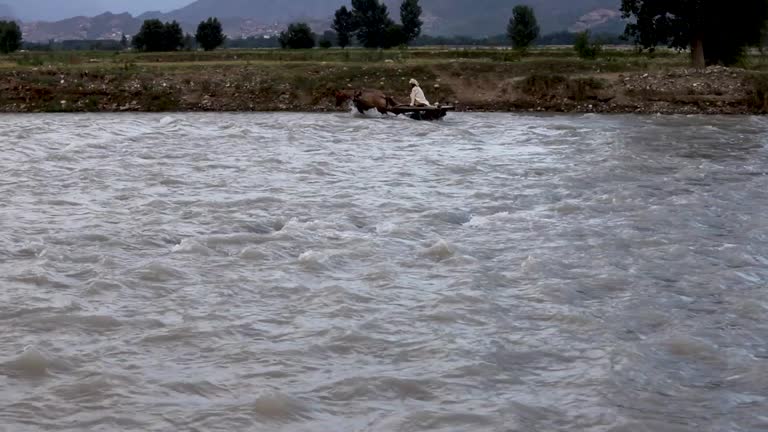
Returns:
<point x="239" y="82"/>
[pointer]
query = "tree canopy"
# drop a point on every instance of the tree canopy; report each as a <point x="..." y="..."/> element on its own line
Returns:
<point x="410" y="17"/>
<point x="158" y="36"/>
<point x="297" y="36"/>
<point x="523" y="27"/>
<point x="210" y="34"/>
<point x="716" y="32"/>
<point x="10" y="37"/>
<point x="372" y="22"/>
<point x="344" y="26"/>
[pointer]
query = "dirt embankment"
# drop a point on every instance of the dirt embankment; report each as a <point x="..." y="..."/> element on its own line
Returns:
<point x="309" y="87"/>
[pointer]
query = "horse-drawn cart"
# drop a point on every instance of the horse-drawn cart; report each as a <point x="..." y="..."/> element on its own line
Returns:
<point x="369" y="99"/>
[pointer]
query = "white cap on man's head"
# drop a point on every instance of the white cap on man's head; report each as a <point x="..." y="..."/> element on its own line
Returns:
<point x="414" y="82"/>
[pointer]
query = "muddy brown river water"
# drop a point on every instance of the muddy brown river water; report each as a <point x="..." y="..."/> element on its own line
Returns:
<point x="326" y="272"/>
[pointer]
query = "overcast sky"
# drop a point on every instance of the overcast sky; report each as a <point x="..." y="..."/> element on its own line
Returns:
<point x="57" y="9"/>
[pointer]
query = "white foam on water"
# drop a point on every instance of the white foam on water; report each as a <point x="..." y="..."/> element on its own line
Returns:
<point x="440" y="250"/>
<point x="314" y="257"/>
<point x="167" y="120"/>
<point x="477" y="221"/>
<point x="321" y="228"/>
<point x="389" y="228"/>
<point x="252" y="253"/>
<point x="191" y="246"/>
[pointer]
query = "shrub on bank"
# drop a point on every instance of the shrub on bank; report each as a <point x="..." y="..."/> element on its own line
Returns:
<point x="757" y="83"/>
<point x="544" y="86"/>
<point x="586" y="49"/>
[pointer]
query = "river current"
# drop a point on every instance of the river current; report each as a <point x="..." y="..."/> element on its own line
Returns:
<point x="328" y="272"/>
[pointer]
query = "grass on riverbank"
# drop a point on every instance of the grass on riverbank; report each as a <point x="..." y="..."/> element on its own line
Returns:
<point x="269" y="79"/>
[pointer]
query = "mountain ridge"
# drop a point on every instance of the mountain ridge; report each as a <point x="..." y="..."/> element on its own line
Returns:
<point x="243" y="18"/>
<point x="442" y="17"/>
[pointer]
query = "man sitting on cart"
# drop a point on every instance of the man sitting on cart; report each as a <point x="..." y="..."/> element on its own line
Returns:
<point x="417" y="95"/>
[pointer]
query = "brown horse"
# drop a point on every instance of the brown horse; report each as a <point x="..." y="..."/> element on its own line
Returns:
<point x="366" y="99"/>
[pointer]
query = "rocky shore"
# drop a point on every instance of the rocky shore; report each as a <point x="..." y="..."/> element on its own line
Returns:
<point x="305" y="87"/>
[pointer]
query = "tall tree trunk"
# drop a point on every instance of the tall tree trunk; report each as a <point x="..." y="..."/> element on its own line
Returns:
<point x="697" y="52"/>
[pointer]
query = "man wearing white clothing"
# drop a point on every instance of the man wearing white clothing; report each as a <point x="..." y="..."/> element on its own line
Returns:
<point x="417" y="95"/>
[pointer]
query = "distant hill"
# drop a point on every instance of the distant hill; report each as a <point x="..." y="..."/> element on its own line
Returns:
<point x="104" y="26"/>
<point x="448" y="17"/>
<point x="242" y="18"/>
<point x="266" y="11"/>
<point x="56" y="10"/>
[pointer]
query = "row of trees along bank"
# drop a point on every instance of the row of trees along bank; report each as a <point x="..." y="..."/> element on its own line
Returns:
<point x="370" y="24"/>
<point x="715" y="33"/>
<point x="156" y="35"/>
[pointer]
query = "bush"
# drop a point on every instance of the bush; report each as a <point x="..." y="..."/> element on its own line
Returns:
<point x="325" y="43"/>
<point x="547" y="86"/>
<point x="540" y="84"/>
<point x="757" y="83"/>
<point x="580" y="89"/>
<point x="586" y="49"/>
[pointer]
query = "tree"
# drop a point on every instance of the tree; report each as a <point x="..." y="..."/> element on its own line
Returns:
<point x="410" y="17"/>
<point x="210" y="34"/>
<point x="123" y="42"/>
<point x="149" y="36"/>
<point x="297" y="36"/>
<point x="326" y="40"/>
<point x="155" y="36"/>
<point x="714" y="32"/>
<point x="344" y="26"/>
<point x="394" y="36"/>
<point x="523" y="28"/>
<point x="372" y="23"/>
<point x="10" y="37"/>
<point x="190" y="44"/>
<point x="173" y="36"/>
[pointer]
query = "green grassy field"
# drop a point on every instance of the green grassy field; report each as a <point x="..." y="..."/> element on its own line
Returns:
<point x="613" y="59"/>
<point x="318" y="55"/>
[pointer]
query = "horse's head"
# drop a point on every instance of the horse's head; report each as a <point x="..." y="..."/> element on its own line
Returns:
<point x="342" y="96"/>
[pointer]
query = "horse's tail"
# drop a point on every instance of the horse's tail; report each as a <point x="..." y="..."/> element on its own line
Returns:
<point x="391" y="102"/>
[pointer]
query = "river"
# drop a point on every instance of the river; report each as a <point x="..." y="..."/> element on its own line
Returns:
<point x="326" y="272"/>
